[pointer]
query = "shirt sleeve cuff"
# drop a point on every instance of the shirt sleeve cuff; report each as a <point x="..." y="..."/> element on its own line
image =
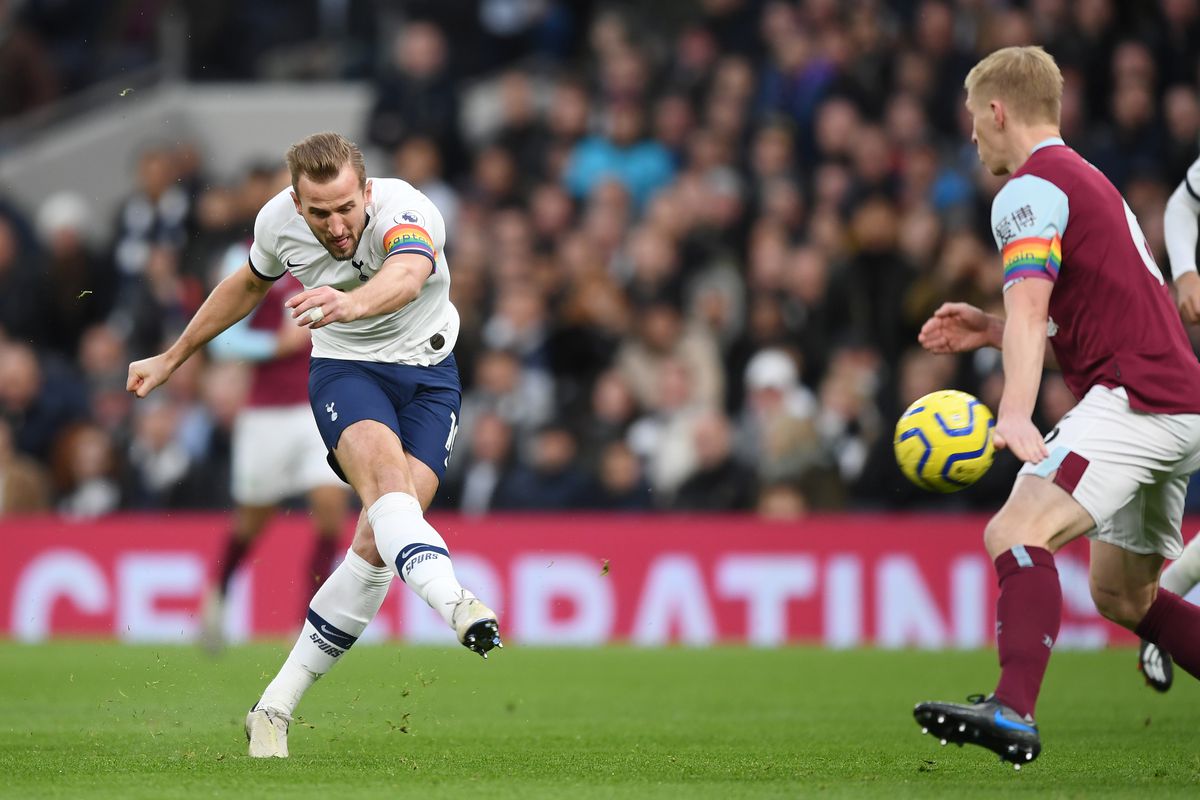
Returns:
<point x="254" y="269"/>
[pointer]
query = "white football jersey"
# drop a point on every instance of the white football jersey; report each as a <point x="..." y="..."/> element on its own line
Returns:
<point x="400" y="220"/>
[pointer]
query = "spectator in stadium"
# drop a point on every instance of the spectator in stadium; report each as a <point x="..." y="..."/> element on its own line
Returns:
<point x="416" y="94"/>
<point x="156" y="214"/>
<point x="662" y="436"/>
<point x="718" y="482"/>
<point x="24" y="484"/>
<point x="620" y="482"/>
<point x="549" y="477"/>
<point x="38" y="398"/>
<point x="778" y="437"/>
<point x="641" y="165"/>
<point x="24" y="294"/>
<point x="151" y="232"/>
<point x="80" y="281"/>
<point x="519" y="325"/>
<point x="610" y="412"/>
<point x="85" y="472"/>
<point x="593" y="318"/>
<point x="781" y="501"/>
<point x="567" y="119"/>
<point x="103" y="360"/>
<point x="28" y="76"/>
<point x="419" y="160"/>
<point x="847" y="420"/>
<point x="521" y="397"/>
<point x="158" y="462"/>
<point x="480" y="484"/>
<point x="662" y="336"/>
<point x="815" y="306"/>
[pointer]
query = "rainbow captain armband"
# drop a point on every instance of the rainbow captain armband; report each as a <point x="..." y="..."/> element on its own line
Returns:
<point x="409" y="238"/>
<point x="1032" y="257"/>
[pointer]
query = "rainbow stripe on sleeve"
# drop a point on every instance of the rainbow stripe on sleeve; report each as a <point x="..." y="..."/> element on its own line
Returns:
<point x="407" y="238"/>
<point x="1033" y="257"/>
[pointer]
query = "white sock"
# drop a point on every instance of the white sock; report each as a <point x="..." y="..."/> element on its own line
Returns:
<point x="339" y="612"/>
<point x="418" y="552"/>
<point x="1184" y="573"/>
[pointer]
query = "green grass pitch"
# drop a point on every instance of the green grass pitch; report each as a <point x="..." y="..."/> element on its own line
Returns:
<point x="93" y="719"/>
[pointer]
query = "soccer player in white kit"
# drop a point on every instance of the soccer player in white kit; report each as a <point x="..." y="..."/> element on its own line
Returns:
<point x="383" y="385"/>
<point x="1180" y="231"/>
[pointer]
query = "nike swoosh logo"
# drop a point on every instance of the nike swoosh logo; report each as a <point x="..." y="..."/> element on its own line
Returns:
<point x="336" y="636"/>
<point x="406" y="552"/>
<point x="1001" y="722"/>
<point x="293" y="266"/>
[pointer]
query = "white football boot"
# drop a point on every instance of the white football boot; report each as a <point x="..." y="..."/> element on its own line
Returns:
<point x="476" y="626"/>
<point x="266" y="730"/>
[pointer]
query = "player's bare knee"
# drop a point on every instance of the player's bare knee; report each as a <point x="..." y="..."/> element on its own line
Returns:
<point x="1001" y="535"/>
<point x="1009" y="529"/>
<point x="364" y="547"/>
<point x="1123" y="608"/>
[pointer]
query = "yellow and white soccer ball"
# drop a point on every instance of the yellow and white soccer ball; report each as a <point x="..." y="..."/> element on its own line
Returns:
<point x="944" y="441"/>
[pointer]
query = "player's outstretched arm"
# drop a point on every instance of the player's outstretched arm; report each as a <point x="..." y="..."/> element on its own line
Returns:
<point x="396" y="285"/>
<point x="232" y="299"/>
<point x="959" y="328"/>
<point x="1027" y="310"/>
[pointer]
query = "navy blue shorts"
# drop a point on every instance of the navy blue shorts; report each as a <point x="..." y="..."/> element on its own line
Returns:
<point x="421" y="404"/>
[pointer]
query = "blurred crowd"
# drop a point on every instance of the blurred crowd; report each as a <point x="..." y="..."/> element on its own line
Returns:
<point x="691" y="247"/>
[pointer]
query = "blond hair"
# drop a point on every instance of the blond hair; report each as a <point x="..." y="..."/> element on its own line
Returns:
<point x="1026" y="79"/>
<point x="320" y="158"/>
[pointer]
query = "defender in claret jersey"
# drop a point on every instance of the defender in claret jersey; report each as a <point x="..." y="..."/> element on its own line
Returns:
<point x="1077" y="271"/>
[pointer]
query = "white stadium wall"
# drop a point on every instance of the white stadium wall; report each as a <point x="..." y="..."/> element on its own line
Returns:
<point x="232" y="124"/>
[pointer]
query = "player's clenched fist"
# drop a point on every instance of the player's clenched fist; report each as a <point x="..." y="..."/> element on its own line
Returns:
<point x="316" y="308"/>
<point x="147" y="374"/>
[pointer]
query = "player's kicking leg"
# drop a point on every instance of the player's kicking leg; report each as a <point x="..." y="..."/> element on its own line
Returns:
<point x="396" y="483"/>
<point x="1180" y="578"/>
<point x="422" y="561"/>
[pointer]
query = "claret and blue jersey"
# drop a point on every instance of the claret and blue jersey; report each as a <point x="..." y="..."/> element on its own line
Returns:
<point x="1113" y="322"/>
<point x="1029" y="217"/>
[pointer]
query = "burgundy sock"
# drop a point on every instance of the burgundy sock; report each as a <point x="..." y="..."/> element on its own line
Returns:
<point x="322" y="559"/>
<point x="1173" y="624"/>
<point x="235" y="550"/>
<point x="1028" y="613"/>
